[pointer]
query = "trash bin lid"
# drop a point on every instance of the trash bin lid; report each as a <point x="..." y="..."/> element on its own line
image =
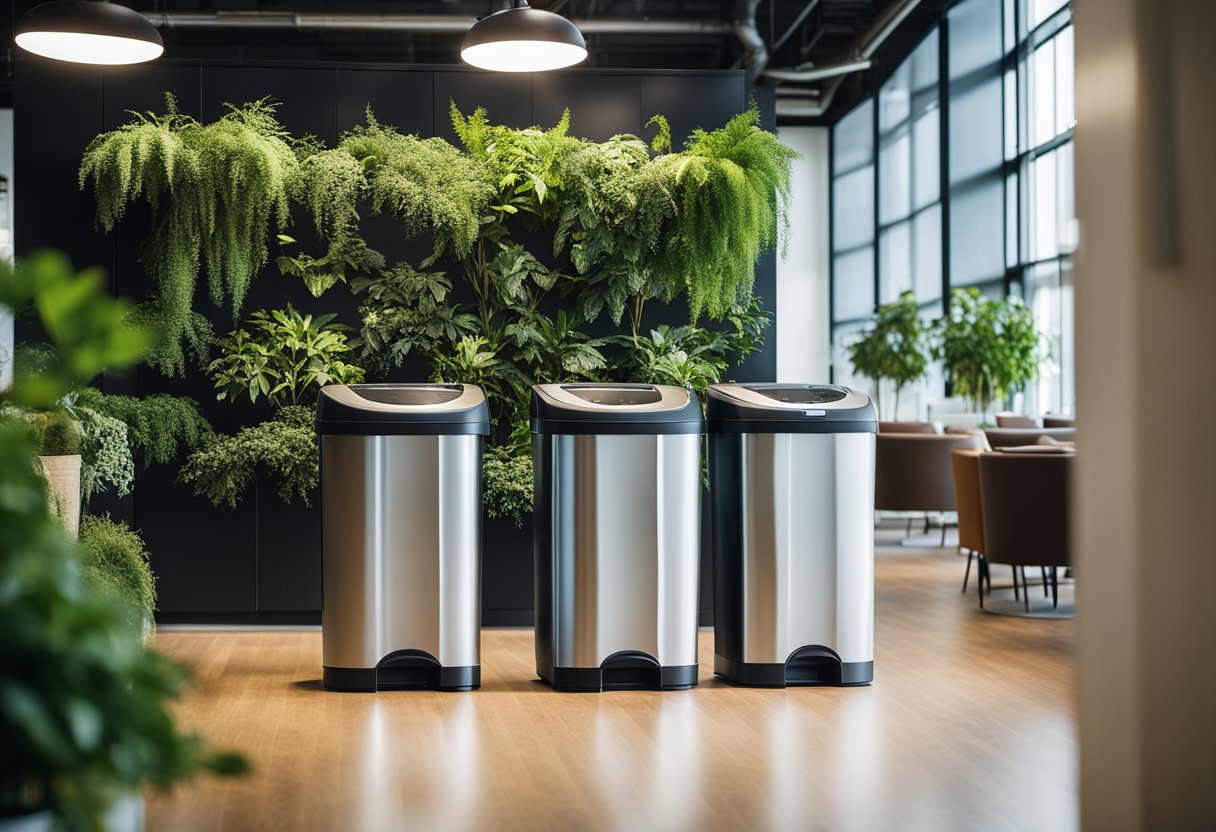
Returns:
<point x="609" y="407"/>
<point x="402" y="409"/>
<point x="789" y="408"/>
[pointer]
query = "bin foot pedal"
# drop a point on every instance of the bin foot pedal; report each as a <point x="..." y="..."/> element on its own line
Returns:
<point x="627" y="670"/>
<point x="404" y="670"/>
<point x="806" y="666"/>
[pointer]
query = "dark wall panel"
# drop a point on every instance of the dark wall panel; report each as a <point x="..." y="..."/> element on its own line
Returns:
<point x="204" y="557"/>
<point x="289" y="552"/>
<point x="507" y="98"/>
<point x="404" y="100"/>
<point x="692" y="101"/>
<point x="306" y="96"/>
<point x="601" y="106"/>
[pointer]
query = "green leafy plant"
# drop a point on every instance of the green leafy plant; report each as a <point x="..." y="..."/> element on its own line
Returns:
<point x="894" y="347"/>
<point x="115" y="563"/>
<point x="474" y="361"/>
<point x="407" y="311"/>
<point x="731" y="188"/>
<point x="283" y="448"/>
<point x="507" y="484"/>
<point x="105" y="454"/>
<point x="988" y="347"/>
<point x="284" y="356"/>
<point x="160" y="427"/>
<point x="55" y="432"/>
<point x="216" y="192"/>
<point x="84" y="706"/>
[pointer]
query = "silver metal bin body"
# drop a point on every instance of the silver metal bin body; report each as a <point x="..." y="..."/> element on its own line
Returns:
<point x="401" y="535"/>
<point x="617" y="478"/>
<point x="791" y="471"/>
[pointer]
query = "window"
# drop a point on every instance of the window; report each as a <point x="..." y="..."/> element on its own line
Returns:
<point x="999" y="97"/>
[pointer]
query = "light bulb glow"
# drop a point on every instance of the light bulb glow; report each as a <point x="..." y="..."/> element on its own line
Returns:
<point x="82" y="48"/>
<point x="523" y="55"/>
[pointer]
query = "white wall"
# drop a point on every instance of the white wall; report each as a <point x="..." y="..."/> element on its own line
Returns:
<point x="803" y="316"/>
<point x="1146" y="397"/>
<point x="6" y="245"/>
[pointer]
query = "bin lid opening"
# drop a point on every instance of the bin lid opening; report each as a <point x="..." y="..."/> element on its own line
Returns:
<point x="801" y="394"/>
<point x="610" y="394"/>
<point x="415" y="396"/>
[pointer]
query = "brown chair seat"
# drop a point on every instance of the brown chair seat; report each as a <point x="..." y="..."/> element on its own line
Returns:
<point x="907" y="427"/>
<point x="1009" y="437"/>
<point x="913" y="471"/>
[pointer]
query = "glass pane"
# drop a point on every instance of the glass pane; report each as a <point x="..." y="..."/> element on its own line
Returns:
<point x="895" y="178"/>
<point x="1065" y="98"/>
<point x="1045" y="298"/>
<point x="842" y="368"/>
<point x="895" y="99"/>
<point x="926" y="148"/>
<point x="1009" y="30"/>
<point x="1042" y="94"/>
<point x="853" y="285"/>
<point x="1044" y="240"/>
<point x="1011" y="114"/>
<point x="924" y="61"/>
<point x="1011" y="221"/>
<point x="976" y="142"/>
<point x="975" y="36"/>
<point x="1066" y="211"/>
<point x="853" y="202"/>
<point x="1040" y="10"/>
<point x="977" y="232"/>
<point x="927" y="254"/>
<point x="853" y="139"/>
<point x="894" y="261"/>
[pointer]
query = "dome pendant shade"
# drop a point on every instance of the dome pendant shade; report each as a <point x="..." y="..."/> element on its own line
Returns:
<point x="523" y="39"/>
<point x="88" y="32"/>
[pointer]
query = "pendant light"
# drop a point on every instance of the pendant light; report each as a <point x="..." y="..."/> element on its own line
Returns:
<point x="88" y="32"/>
<point x="523" y="39"/>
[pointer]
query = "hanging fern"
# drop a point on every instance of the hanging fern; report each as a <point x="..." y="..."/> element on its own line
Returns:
<point x="429" y="185"/>
<point x="216" y="192"/>
<point x="732" y="189"/>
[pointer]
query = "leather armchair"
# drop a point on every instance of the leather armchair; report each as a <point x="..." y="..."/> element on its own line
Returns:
<point x="907" y="427"/>
<point x="1025" y="506"/>
<point x="914" y="473"/>
<point x="966" y="468"/>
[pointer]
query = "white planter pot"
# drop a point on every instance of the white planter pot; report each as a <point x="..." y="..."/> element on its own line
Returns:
<point x="63" y="473"/>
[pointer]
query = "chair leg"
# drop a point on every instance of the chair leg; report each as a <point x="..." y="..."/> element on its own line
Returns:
<point x="1044" y="571"/>
<point x="943" y="533"/>
<point x="987" y="572"/>
<point x="908" y="531"/>
<point x="1025" y="590"/>
<point x="967" y="574"/>
<point x="926" y="531"/>
<point x="1055" y="592"/>
<point x="1015" y="584"/>
<point x="981" y="574"/>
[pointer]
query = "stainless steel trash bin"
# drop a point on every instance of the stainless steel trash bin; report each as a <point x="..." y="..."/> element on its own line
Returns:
<point x="618" y="510"/>
<point x="791" y="471"/>
<point x="401" y="535"/>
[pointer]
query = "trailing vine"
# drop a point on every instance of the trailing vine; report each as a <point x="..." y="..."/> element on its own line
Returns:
<point x="216" y="192"/>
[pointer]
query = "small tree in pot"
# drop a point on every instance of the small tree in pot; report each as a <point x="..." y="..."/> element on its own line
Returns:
<point x="988" y="347"/>
<point x="894" y="348"/>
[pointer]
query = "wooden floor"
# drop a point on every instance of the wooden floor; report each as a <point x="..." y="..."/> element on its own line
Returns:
<point x="969" y="725"/>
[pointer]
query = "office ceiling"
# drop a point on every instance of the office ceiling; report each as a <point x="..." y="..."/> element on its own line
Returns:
<point x="801" y="37"/>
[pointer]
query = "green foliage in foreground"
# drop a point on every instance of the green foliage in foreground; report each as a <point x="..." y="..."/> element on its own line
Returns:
<point x="115" y="562"/>
<point x="284" y="449"/>
<point x="84" y="707"/>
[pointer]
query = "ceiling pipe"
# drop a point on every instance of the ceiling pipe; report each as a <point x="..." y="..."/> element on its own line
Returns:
<point x="786" y="107"/>
<point x="755" y="53"/>
<point x="819" y="73"/>
<point x="793" y="27"/>
<point x="416" y="23"/>
<point x="884" y="25"/>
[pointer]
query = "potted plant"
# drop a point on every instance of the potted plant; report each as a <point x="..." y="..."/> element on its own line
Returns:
<point x="58" y="440"/>
<point x="893" y="348"/>
<point x="988" y="347"/>
<point x="84" y="705"/>
<point x="115" y="563"/>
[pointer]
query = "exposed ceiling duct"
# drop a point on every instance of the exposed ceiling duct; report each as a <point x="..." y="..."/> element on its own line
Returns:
<point x="418" y="23"/>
